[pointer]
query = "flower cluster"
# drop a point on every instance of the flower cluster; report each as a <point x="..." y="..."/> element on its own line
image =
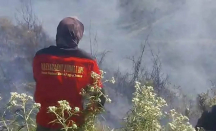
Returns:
<point x="147" y="113"/>
<point x="179" y="122"/>
<point x="102" y="73"/>
<point x="52" y="109"/>
<point x="21" y="99"/>
<point x="112" y="80"/>
<point x="24" y="108"/>
<point x="64" y="106"/>
<point x="92" y="92"/>
<point x="64" y="113"/>
<point x="37" y="105"/>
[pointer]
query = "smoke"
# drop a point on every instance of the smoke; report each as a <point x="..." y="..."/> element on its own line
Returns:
<point x="183" y="31"/>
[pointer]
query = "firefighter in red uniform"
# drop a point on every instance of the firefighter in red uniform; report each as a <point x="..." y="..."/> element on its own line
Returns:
<point x="61" y="72"/>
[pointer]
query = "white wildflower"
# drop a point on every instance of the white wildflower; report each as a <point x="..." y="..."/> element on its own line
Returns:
<point x="109" y="100"/>
<point x="23" y="95"/>
<point x="76" y="109"/>
<point x="52" y="108"/>
<point x="13" y="102"/>
<point x="112" y="80"/>
<point x="30" y="97"/>
<point x="74" y="126"/>
<point x="37" y="105"/>
<point x="99" y="100"/>
<point x="14" y="94"/>
<point x="92" y="88"/>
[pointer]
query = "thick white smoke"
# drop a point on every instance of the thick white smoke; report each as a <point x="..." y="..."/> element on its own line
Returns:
<point x="183" y="31"/>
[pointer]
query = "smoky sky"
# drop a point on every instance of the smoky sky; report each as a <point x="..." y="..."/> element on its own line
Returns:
<point x="182" y="31"/>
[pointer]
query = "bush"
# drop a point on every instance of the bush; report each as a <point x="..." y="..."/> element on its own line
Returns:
<point x="147" y="113"/>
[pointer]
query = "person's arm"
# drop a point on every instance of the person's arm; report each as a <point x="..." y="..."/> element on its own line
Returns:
<point x="34" y="68"/>
<point x="35" y="74"/>
<point x="102" y="98"/>
<point x="100" y="105"/>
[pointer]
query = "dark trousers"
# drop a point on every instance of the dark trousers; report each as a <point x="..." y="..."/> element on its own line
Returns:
<point x="41" y="128"/>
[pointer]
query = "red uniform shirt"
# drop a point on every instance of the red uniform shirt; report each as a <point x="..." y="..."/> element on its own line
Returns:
<point x="60" y="74"/>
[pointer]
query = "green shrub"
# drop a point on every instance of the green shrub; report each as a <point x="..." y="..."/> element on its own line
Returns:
<point x="146" y="114"/>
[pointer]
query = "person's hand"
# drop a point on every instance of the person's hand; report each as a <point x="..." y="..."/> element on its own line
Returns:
<point x="92" y="109"/>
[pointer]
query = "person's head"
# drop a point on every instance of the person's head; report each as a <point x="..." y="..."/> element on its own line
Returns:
<point x="69" y="32"/>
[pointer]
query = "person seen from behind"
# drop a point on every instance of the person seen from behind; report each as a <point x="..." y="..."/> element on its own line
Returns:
<point x="207" y="121"/>
<point x="61" y="71"/>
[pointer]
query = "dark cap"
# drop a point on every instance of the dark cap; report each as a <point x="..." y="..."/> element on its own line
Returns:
<point x="69" y="32"/>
